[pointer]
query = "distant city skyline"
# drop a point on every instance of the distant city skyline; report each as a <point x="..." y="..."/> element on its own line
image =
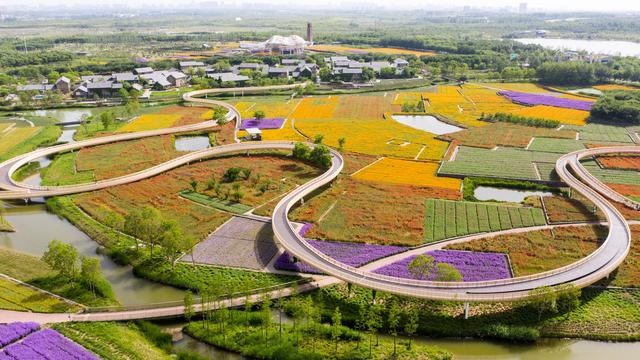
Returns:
<point x="516" y="5"/>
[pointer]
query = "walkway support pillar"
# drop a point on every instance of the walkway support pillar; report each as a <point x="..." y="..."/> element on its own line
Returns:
<point x="466" y="310"/>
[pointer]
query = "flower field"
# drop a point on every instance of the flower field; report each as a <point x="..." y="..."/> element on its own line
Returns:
<point x="105" y="161"/>
<point x="407" y="172"/>
<point x="537" y="251"/>
<point x="563" y="115"/>
<point x="273" y="106"/>
<point x="620" y="162"/>
<point x="369" y="212"/>
<point x="266" y="123"/>
<point x="151" y="122"/>
<point x="352" y="254"/>
<point x="198" y="221"/>
<point x="473" y="266"/>
<point x="287" y="132"/>
<point x="364" y="107"/>
<point x="535" y="99"/>
<point x="374" y="137"/>
<point x="504" y="134"/>
<point x="448" y="219"/>
<point x="316" y="108"/>
<point x="611" y="176"/>
<point x="45" y="344"/>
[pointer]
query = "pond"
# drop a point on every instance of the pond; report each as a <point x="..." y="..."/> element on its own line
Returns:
<point x="606" y="47"/>
<point x="485" y="193"/>
<point x="35" y="227"/>
<point x="427" y="123"/>
<point x="62" y="115"/>
<point x="192" y="143"/>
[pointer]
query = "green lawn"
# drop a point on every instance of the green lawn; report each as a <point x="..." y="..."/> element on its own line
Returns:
<point x="224" y="205"/>
<point x="45" y="136"/>
<point x="15" y="296"/>
<point x="62" y="171"/>
<point x="446" y="219"/>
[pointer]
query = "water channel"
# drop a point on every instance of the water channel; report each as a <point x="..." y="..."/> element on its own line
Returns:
<point x="35" y="227"/>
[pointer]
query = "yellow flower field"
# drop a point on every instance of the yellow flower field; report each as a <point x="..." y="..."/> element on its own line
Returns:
<point x="365" y="107"/>
<point x="407" y="172"/>
<point x="151" y="122"/>
<point x="15" y="136"/>
<point x="273" y="108"/>
<point x="316" y="108"/>
<point x="406" y="97"/>
<point x="609" y="87"/>
<point x="381" y="137"/>
<point x="388" y="51"/>
<point x="565" y="116"/>
<point x="286" y="133"/>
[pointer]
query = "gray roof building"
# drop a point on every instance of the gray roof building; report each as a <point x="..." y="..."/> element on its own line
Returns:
<point x="229" y="77"/>
<point x="143" y="70"/>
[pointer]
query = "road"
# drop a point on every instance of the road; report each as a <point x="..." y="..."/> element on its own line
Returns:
<point x="581" y="273"/>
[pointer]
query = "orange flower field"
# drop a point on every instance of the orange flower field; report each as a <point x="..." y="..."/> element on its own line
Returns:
<point x="407" y="172"/>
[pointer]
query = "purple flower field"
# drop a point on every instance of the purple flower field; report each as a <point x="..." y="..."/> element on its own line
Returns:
<point x="273" y="123"/>
<point x="305" y="228"/>
<point x="473" y="266"/>
<point x="12" y="332"/>
<point x="46" y="344"/>
<point x="536" y="99"/>
<point x="352" y="254"/>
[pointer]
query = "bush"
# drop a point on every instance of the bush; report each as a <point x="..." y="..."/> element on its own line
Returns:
<point x="231" y="175"/>
<point x="509" y="332"/>
<point x="155" y="335"/>
<point x="522" y="120"/>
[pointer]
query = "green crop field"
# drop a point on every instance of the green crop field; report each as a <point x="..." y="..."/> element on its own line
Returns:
<point x="560" y="146"/>
<point x="505" y="163"/>
<point x="602" y="133"/>
<point x="446" y="219"/>
<point x="611" y="176"/>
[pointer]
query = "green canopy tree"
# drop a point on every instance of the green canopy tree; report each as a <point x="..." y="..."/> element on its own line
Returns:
<point x="62" y="257"/>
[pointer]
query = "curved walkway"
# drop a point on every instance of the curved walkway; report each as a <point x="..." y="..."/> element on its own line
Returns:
<point x="581" y="273"/>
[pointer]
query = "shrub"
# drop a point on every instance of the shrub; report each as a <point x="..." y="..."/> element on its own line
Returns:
<point x="231" y="175"/>
<point x="522" y="120"/>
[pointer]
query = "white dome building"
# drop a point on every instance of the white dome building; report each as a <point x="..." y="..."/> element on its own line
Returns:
<point x="293" y="44"/>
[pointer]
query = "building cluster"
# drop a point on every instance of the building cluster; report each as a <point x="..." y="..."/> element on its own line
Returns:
<point x="109" y="85"/>
<point x="287" y="69"/>
<point x="348" y="69"/>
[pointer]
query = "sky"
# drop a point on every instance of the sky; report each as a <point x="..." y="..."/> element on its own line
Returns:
<point x="552" y="5"/>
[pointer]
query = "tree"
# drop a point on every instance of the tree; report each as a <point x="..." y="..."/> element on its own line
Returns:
<point x="411" y="326"/>
<point x="171" y="240"/>
<point x="107" y="118"/>
<point x="361" y="321"/>
<point x="301" y="151"/>
<point x="266" y="314"/>
<point x="132" y="106"/>
<point x="543" y="299"/>
<point x="258" y="114"/>
<point x="387" y="72"/>
<point x="151" y="226"/>
<point x="320" y="156"/>
<point x="194" y="185"/>
<point x="133" y="225"/>
<point x="189" y="311"/>
<point x="374" y="323"/>
<point x="568" y="297"/>
<point x="336" y="324"/>
<point x="124" y="95"/>
<point x="62" y="257"/>
<point x="341" y="142"/>
<point x="393" y="322"/>
<point x="446" y="272"/>
<point x="220" y="115"/>
<point x="90" y="272"/>
<point x="231" y="175"/>
<point x="318" y="139"/>
<point x="421" y="266"/>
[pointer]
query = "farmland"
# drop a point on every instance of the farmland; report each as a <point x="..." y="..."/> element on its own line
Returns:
<point x="19" y="140"/>
<point x="407" y="172"/>
<point x="620" y="162"/>
<point x="502" y="163"/>
<point x="537" y="251"/>
<point x="150" y="122"/>
<point x="504" y="134"/>
<point x="447" y="219"/>
<point x="369" y="212"/>
<point x="602" y="133"/>
<point x="163" y="191"/>
<point x="316" y="108"/>
<point x="559" y="146"/>
<point x="14" y="296"/>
